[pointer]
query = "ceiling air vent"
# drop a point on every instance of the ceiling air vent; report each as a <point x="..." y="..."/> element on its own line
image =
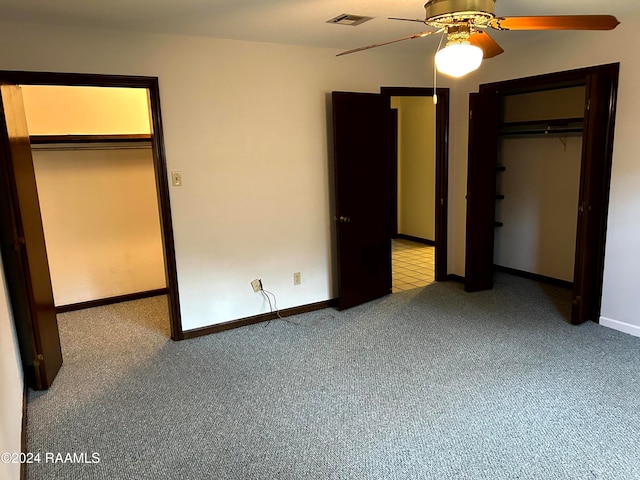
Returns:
<point x="348" y="19"/>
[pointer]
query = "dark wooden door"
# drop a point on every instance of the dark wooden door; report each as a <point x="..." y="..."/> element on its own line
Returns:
<point x="364" y="149"/>
<point x="484" y="119"/>
<point x="23" y="240"/>
<point x="595" y="174"/>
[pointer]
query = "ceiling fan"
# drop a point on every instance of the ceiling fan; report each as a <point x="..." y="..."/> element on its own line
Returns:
<point x="464" y="22"/>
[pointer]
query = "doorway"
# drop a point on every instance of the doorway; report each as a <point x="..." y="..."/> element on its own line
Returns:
<point x="39" y="340"/>
<point x="364" y="138"/>
<point x="538" y="179"/>
<point x="421" y="236"/>
<point x="93" y="163"/>
<point x="413" y="245"/>
<point x="597" y="87"/>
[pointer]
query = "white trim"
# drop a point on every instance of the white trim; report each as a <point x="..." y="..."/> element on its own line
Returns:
<point x="621" y="326"/>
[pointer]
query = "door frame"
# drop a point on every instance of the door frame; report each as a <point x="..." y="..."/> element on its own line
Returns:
<point x="442" y="168"/>
<point x="159" y="160"/>
<point x="591" y="183"/>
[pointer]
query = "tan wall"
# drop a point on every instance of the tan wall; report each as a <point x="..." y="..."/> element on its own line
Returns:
<point x="101" y="223"/>
<point x="59" y="110"/>
<point x="416" y="166"/>
<point x="547" y="105"/>
<point x="540" y="184"/>
<point x="539" y="211"/>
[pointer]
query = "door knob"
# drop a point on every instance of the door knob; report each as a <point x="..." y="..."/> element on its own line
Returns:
<point x="344" y="219"/>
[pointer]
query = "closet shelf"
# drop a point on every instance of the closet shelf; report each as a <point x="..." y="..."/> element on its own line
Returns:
<point x="51" y="139"/>
<point x="561" y="126"/>
<point x="90" y="142"/>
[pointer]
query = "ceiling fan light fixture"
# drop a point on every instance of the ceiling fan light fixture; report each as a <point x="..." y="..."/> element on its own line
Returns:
<point x="458" y="59"/>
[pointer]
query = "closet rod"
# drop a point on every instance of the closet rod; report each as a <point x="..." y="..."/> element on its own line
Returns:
<point x="61" y="147"/>
<point x="84" y="138"/>
<point x="546" y="131"/>
<point x="556" y="126"/>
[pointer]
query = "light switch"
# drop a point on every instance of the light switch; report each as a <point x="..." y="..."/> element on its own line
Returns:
<point x="176" y="179"/>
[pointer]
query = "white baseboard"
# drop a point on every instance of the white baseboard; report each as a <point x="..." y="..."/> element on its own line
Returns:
<point x="621" y="326"/>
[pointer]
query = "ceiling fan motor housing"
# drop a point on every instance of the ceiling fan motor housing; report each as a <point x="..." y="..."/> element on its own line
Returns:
<point x="442" y="13"/>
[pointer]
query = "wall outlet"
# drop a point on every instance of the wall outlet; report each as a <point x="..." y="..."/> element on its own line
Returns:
<point x="297" y="280"/>
<point x="257" y="285"/>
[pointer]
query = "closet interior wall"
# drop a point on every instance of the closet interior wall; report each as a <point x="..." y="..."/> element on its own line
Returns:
<point x="538" y="182"/>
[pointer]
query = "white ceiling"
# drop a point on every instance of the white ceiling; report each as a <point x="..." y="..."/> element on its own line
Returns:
<point x="297" y="22"/>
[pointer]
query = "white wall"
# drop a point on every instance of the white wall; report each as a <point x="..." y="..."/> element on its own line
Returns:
<point x="246" y="124"/>
<point x="558" y="51"/>
<point x="416" y="166"/>
<point x="11" y="392"/>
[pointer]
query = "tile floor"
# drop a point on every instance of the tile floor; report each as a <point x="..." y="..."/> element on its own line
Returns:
<point x="412" y="265"/>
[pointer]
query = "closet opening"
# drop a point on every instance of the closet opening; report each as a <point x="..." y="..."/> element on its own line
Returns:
<point x="540" y="156"/>
<point x="537" y="186"/>
<point x="93" y="161"/>
<point x="89" y="196"/>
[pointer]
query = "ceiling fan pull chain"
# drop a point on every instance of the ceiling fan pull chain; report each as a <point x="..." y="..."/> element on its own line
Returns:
<point x="435" y="86"/>
<point x="435" y="70"/>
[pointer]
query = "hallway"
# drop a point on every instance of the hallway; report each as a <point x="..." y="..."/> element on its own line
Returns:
<point x="412" y="264"/>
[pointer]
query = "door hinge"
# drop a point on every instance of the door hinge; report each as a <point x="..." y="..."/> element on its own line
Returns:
<point x="442" y="201"/>
<point x="36" y="361"/>
<point x="18" y="242"/>
<point x="470" y="114"/>
<point x="588" y="104"/>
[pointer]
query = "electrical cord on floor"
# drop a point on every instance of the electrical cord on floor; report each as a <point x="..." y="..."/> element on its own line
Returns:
<point x="274" y="308"/>
<point x="265" y="294"/>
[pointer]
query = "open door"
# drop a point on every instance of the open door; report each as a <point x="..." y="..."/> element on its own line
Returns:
<point x="364" y="143"/>
<point x="23" y="245"/>
<point x="484" y="120"/>
<point x="595" y="177"/>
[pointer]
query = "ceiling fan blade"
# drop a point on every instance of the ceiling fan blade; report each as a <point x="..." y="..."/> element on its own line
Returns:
<point x="556" y="22"/>
<point x="410" y="37"/>
<point x="408" y="19"/>
<point x="488" y="45"/>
